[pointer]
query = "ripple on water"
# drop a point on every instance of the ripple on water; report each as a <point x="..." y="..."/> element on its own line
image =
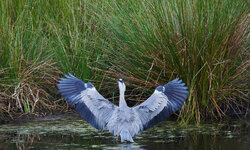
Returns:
<point x="64" y="133"/>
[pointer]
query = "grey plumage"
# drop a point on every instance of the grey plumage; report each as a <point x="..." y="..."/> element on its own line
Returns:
<point x="122" y="120"/>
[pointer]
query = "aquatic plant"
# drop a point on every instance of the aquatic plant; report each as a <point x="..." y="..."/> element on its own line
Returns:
<point x="201" y="42"/>
<point x="38" y="41"/>
<point x="147" y="43"/>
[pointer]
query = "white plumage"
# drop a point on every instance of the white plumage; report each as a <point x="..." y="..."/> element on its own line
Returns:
<point x="122" y="120"/>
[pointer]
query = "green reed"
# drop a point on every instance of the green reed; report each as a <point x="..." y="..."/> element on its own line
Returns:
<point x="147" y="43"/>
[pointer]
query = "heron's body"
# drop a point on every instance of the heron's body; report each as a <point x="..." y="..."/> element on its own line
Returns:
<point x="122" y="120"/>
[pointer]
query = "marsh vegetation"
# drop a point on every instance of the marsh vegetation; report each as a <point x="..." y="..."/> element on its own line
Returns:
<point x="147" y="43"/>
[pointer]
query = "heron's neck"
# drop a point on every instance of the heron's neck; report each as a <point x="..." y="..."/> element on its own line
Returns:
<point x="122" y="101"/>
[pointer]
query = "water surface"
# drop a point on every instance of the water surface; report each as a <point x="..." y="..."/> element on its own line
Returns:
<point x="74" y="133"/>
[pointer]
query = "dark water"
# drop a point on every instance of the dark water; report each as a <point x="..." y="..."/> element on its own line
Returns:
<point x="74" y="133"/>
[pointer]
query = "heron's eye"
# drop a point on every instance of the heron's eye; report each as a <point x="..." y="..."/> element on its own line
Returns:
<point x="120" y="80"/>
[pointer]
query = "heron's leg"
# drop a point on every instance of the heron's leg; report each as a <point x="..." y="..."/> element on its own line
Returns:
<point x="117" y="139"/>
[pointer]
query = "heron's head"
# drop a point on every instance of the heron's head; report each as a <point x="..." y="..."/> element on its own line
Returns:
<point x="121" y="85"/>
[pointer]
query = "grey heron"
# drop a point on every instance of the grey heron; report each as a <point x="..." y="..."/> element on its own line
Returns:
<point x="122" y="120"/>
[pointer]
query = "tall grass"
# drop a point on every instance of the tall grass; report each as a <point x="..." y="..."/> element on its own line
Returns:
<point x="77" y="42"/>
<point x="41" y="40"/>
<point x="27" y="68"/>
<point x="147" y="43"/>
<point x="201" y="42"/>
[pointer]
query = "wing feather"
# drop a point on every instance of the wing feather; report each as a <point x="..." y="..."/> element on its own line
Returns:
<point x="162" y="103"/>
<point x="89" y="103"/>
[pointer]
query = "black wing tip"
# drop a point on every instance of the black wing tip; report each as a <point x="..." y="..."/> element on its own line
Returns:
<point x="176" y="84"/>
<point x="68" y="76"/>
<point x="176" y="90"/>
<point x="73" y="78"/>
<point x="71" y="87"/>
<point x="176" y="93"/>
<point x="177" y="80"/>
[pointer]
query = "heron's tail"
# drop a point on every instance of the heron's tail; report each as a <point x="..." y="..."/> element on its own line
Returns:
<point x="125" y="136"/>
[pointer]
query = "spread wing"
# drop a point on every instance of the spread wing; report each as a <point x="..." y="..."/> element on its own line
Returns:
<point x="162" y="103"/>
<point x="89" y="103"/>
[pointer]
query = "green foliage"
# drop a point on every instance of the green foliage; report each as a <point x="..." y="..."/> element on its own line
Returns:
<point x="147" y="43"/>
<point x="76" y="42"/>
<point x="201" y="42"/>
<point x="38" y="41"/>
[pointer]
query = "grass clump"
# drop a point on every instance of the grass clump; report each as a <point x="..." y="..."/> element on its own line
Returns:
<point x="39" y="41"/>
<point x="76" y="40"/>
<point x="201" y="42"/>
<point x="147" y="43"/>
<point x="27" y="71"/>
